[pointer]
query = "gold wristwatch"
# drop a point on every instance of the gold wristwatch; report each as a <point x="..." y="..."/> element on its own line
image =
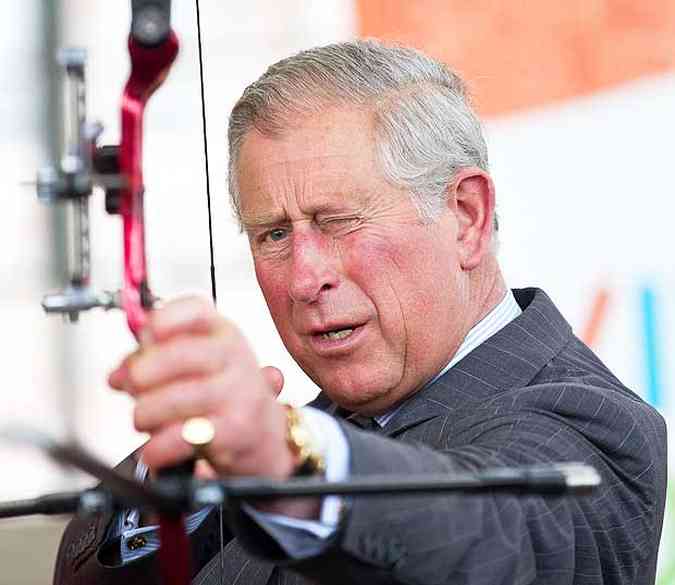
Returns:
<point x="309" y="459"/>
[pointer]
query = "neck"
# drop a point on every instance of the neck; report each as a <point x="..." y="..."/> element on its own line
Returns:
<point x="487" y="289"/>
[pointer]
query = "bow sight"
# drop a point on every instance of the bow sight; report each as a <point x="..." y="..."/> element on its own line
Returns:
<point x="72" y="183"/>
<point x="115" y="168"/>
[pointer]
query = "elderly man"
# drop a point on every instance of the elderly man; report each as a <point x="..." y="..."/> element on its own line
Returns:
<point x="359" y="174"/>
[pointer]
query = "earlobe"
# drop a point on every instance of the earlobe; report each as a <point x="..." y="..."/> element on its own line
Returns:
<point x="474" y="204"/>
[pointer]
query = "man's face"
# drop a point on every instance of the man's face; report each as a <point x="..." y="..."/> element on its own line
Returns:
<point x="366" y="297"/>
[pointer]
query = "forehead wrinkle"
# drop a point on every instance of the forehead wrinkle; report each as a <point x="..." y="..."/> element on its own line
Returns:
<point x="289" y="184"/>
<point x="311" y="164"/>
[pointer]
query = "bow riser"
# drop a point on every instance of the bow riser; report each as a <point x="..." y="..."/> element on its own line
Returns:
<point x="149" y="67"/>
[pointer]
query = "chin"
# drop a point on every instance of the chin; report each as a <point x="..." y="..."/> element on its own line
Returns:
<point x="354" y="393"/>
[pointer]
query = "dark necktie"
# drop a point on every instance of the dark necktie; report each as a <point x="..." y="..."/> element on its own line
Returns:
<point x="367" y="423"/>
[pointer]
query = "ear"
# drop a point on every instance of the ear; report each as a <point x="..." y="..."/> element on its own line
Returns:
<point x="473" y="200"/>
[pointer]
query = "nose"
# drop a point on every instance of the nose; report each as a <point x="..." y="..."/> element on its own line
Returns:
<point x="313" y="267"/>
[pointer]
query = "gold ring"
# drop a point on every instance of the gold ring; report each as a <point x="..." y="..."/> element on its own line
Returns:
<point x="198" y="431"/>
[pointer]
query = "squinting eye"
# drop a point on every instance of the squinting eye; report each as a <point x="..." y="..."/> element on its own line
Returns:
<point x="277" y="234"/>
<point x="339" y="224"/>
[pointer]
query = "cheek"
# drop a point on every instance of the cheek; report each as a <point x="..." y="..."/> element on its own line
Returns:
<point x="273" y="286"/>
<point x="381" y="270"/>
<point x="396" y="263"/>
<point x="407" y="278"/>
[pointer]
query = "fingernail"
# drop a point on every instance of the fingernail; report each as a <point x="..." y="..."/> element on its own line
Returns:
<point x="117" y="377"/>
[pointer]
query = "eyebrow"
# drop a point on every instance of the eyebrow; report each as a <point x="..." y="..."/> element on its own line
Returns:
<point x="257" y="222"/>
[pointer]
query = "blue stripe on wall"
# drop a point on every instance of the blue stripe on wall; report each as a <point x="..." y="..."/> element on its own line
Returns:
<point x="648" y="302"/>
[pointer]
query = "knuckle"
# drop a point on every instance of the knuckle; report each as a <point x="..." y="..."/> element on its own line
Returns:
<point x="135" y="376"/>
<point x="215" y="392"/>
<point x="235" y="346"/>
<point x="139" y="419"/>
<point x="192" y="354"/>
<point x="228" y="333"/>
<point x="177" y="399"/>
<point x="239" y="423"/>
<point x="133" y="368"/>
<point x="204" y="312"/>
<point x="185" y="312"/>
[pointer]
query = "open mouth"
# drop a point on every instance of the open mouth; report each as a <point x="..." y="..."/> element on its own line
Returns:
<point x="337" y="334"/>
<point x="335" y="340"/>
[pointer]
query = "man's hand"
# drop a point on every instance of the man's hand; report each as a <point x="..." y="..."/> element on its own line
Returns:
<point x="193" y="362"/>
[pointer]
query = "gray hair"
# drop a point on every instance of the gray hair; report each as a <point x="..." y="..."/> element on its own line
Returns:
<point x="425" y="129"/>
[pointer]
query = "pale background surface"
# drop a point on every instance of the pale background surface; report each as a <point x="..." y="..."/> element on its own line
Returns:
<point x="583" y="194"/>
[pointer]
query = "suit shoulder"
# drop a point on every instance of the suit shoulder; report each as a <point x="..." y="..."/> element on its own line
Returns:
<point x="578" y="369"/>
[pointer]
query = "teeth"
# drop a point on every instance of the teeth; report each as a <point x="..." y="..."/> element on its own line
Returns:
<point x="340" y="334"/>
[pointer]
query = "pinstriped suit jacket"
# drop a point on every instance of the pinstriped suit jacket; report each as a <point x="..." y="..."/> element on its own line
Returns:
<point x="532" y="393"/>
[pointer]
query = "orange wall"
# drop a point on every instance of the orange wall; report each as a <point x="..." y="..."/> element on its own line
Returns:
<point x="520" y="53"/>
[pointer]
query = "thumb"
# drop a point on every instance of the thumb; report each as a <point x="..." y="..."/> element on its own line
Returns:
<point x="203" y="470"/>
<point x="274" y="379"/>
